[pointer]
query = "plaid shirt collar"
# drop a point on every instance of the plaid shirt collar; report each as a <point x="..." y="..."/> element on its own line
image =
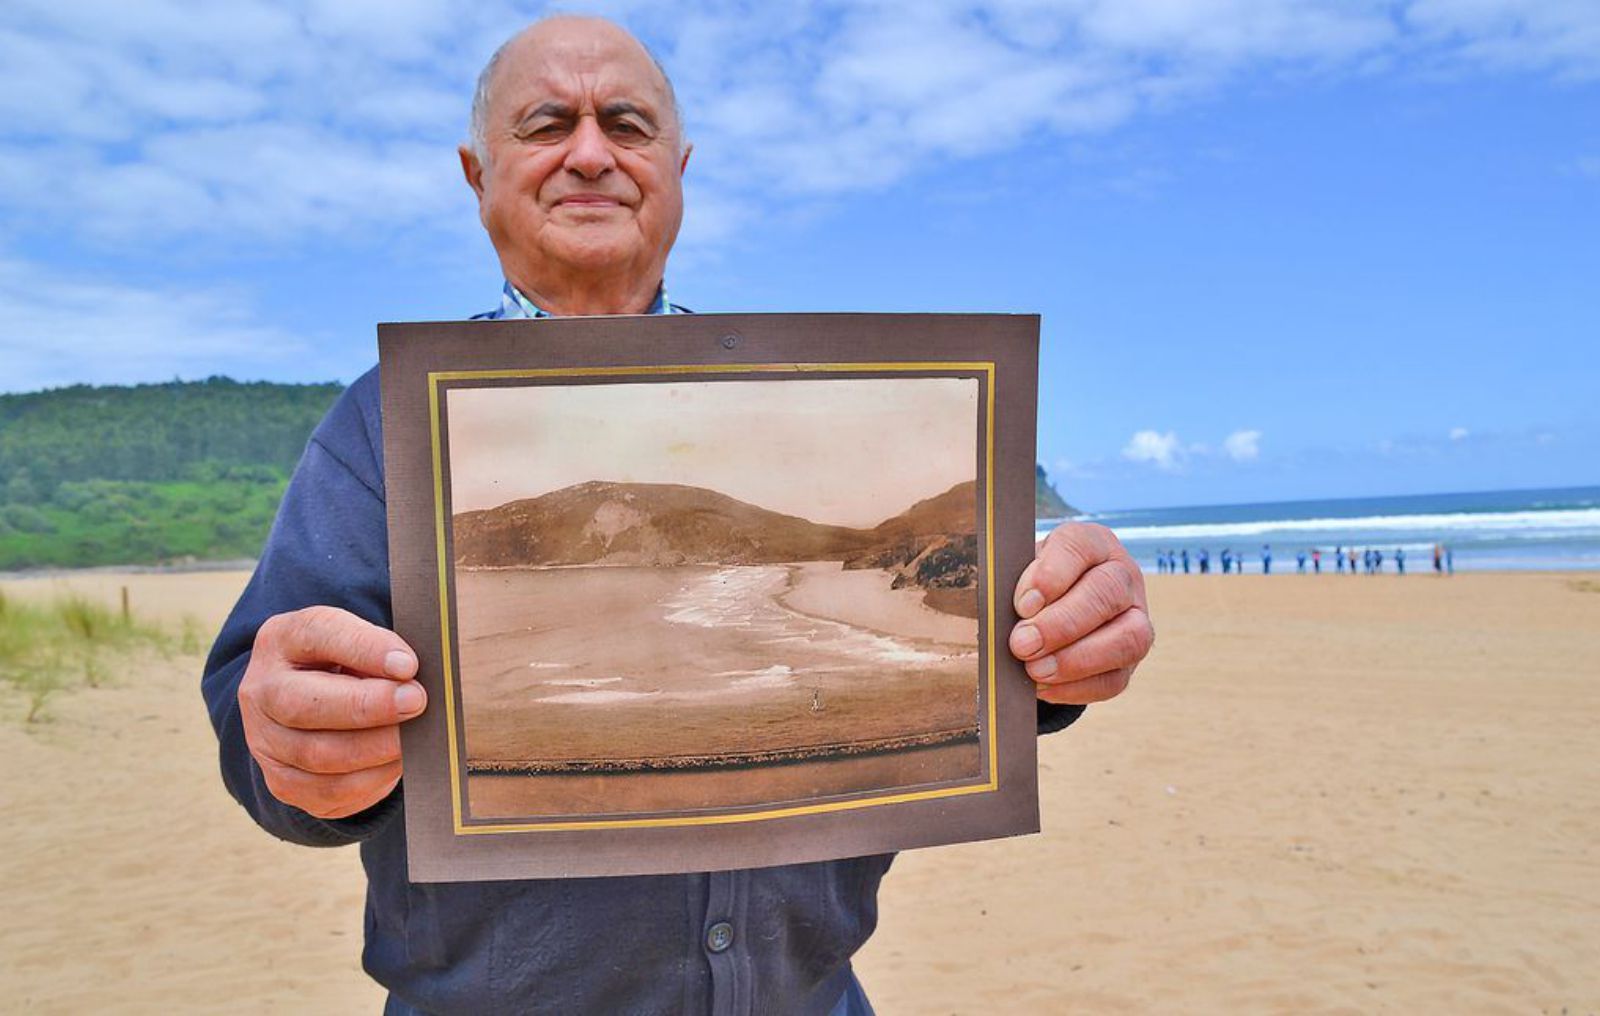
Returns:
<point x="513" y="304"/>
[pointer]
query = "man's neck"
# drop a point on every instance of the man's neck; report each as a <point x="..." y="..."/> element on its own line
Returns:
<point x="625" y="296"/>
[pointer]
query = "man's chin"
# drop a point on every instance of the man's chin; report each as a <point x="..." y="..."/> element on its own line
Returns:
<point x="596" y="247"/>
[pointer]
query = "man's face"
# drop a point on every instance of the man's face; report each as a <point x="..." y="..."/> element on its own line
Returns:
<point x="582" y="179"/>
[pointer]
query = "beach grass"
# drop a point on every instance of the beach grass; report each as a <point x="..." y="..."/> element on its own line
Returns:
<point x="49" y="647"/>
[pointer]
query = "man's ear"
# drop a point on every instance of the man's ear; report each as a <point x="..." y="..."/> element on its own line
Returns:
<point x="472" y="169"/>
<point x="688" y="149"/>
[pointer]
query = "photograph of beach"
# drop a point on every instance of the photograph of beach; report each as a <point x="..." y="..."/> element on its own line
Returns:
<point x="652" y="619"/>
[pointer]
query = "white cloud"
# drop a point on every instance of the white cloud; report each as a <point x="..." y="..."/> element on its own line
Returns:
<point x="63" y="330"/>
<point x="1230" y="30"/>
<point x="1243" y="445"/>
<point x="1555" y="36"/>
<point x="1459" y="433"/>
<point x="1164" y="451"/>
<point x="260" y="121"/>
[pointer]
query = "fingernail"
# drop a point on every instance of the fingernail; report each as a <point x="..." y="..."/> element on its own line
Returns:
<point x="408" y="698"/>
<point x="1030" y="603"/>
<point x="1042" y="668"/>
<point x="1026" y="640"/>
<point x="399" y="664"/>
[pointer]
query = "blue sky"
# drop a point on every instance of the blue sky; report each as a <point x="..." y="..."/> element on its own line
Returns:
<point x="1281" y="249"/>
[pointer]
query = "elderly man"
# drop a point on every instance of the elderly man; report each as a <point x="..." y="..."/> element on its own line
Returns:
<point x="576" y="160"/>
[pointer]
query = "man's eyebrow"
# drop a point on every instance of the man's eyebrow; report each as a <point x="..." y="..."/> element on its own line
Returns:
<point x="553" y="108"/>
<point x="622" y="107"/>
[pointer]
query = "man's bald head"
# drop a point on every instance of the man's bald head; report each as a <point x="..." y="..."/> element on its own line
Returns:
<point x="555" y="27"/>
<point x="577" y="158"/>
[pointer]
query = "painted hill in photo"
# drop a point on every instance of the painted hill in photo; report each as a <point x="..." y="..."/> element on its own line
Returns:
<point x="647" y="524"/>
<point x="931" y="545"/>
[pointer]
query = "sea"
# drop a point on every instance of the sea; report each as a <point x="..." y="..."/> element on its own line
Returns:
<point x="1525" y="530"/>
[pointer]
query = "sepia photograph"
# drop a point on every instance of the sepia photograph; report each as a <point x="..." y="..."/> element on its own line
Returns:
<point x="678" y="595"/>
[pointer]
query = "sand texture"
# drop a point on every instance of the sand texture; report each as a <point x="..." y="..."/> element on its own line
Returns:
<point x="1334" y="794"/>
<point x="132" y="882"/>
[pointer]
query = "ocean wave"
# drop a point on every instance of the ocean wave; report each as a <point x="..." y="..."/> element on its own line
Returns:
<point x="597" y="697"/>
<point x="1559" y="523"/>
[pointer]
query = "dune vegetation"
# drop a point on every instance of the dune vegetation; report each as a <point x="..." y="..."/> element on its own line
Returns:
<point x="72" y="641"/>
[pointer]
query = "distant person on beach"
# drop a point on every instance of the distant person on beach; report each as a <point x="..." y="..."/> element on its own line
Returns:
<point x="1377" y="561"/>
<point x="1266" y="559"/>
<point x="1352" y="556"/>
<point x="1300" y="562"/>
<point x="1438" y="559"/>
<point x="1186" y="560"/>
<point x="1205" y="561"/>
<point x="575" y="156"/>
<point x="1450" y="560"/>
<point x="1227" y="560"/>
<point x="1316" y="560"/>
<point x="1400" y="559"/>
<point x="1338" y="558"/>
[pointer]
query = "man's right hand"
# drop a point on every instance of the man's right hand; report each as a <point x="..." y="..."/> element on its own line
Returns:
<point x="322" y="702"/>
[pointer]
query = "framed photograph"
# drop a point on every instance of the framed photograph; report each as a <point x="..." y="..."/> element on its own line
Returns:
<point x="699" y="592"/>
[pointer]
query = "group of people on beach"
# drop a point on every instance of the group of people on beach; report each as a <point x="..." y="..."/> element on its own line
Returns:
<point x="1171" y="562"/>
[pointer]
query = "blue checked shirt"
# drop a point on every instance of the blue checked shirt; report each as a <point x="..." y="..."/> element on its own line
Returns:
<point x="513" y="305"/>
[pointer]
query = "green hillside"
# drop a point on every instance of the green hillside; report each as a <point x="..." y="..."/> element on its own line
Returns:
<point x="149" y="473"/>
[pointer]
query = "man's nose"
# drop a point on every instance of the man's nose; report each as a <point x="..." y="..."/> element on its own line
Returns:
<point x="588" y="152"/>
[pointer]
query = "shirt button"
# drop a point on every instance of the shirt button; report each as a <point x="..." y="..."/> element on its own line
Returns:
<point x="719" y="937"/>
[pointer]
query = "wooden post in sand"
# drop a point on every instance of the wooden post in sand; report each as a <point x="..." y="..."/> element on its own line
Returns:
<point x="125" y="605"/>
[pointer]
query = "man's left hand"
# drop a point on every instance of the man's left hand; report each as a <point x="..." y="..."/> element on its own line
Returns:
<point x="1086" y="622"/>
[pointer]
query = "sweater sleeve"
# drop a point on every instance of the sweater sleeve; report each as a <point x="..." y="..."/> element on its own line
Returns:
<point x="1054" y="717"/>
<point x="328" y="545"/>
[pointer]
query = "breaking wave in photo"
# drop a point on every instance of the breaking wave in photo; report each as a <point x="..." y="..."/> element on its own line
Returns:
<point x="744" y="598"/>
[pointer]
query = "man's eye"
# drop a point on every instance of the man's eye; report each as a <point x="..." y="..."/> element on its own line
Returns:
<point x="542" y="131"/>
<point x="623" y="130"/>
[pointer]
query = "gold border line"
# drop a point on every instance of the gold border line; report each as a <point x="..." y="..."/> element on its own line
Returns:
<point x="709" y="368"/>
<point x="444" y="600"/>
<point x="987" y="368"/>
<point x="994" y="750"/>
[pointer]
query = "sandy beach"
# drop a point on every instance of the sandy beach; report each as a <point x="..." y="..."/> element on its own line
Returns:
<point x="1322" y="794"/>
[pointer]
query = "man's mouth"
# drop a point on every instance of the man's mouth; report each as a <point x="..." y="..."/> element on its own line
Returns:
<point x="589" y="201"/>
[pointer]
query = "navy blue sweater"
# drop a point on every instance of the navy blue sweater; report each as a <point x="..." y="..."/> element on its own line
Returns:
<point x="573" y="945"/>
